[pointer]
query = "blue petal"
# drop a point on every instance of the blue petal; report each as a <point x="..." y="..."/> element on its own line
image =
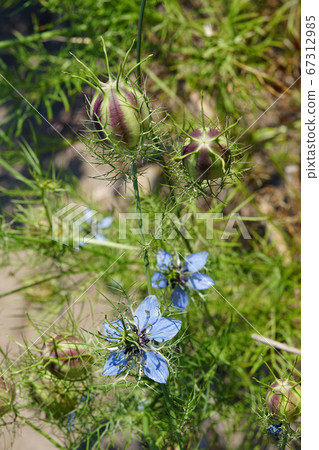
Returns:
<point x="200" y="281"/>
<point x="105" y="223"/>
<point x="88" y="214"/>
<point x="164" y="329"/>
<point x="116" y="363"/>
<point x="164" y="260"/>
<point x="113" y="330"/>
<point x="159" y="281"/>
<point x="70" y="423"/>
<point x="196" y="261"/>
<point x="100" y="237"/>
<point x="155" y="366"/>
<point x="147" y="312"/>
<point x="179" y="298"/>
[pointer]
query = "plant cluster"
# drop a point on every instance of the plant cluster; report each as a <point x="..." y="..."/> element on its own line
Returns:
<point x="178" y="369"/>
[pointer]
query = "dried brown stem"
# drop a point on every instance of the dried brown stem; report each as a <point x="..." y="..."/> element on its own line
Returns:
<point x="276" y="344"/>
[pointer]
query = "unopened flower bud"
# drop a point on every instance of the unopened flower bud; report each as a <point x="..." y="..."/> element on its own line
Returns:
<point x="55" y="396"/>
<point x="283" y="400"/>
<point x="120" y="114"/>
<point x="67" y="357"/>
<point x="7" y="395"/>
<point x="207" y="156"/>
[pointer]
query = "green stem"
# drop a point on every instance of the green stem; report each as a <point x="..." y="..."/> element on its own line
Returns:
<point x="169" y="182"/>
<point x="111" y="244"/>
<point x="43" y="280"/>
<point x="47" y="212"/>
<point x="172" y="417"/>
<point x="133" y="163"/>
<point x="284" y="439"/>
<point x="139" y="41"/>
<point x="202" y="107"/>
<point x="41" y="432"/>
<point x="140" y="225"/>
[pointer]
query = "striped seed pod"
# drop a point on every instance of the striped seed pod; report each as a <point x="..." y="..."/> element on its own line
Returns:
<point x="283" y="400"/>
<point x="54" y="396"/>
<point x="204" y="156"/>
<point x="67" y="357"/>
<point x="120" y="114"/>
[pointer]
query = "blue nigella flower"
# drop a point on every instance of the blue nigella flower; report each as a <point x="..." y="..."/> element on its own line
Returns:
<point x="179" y="277"/>
<point x="274" y="429"/>
<point x="70" y="423"/>
<point x="95" y="227"/>
<point x="72" y="415"/>
<point x="134" y="341"/>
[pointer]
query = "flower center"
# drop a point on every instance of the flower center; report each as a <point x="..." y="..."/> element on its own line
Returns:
<point x="176" y="276"/>
<point x="135" y="340"/>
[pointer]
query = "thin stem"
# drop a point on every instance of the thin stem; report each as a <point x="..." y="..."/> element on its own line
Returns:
<point x="202" y="107"/>
<point x="172" y="416"/>
<point x="139" y="41"/>
<point x="44" y="204"/>
<point x="169" y="182"/>
<point x="43" y="280"/>
<point x="106" y="60"/>
<point x="41" y="432"/>
<point x="140" y="225"/>
<point x="284" y="439"/>
<point x="186" y="241"/>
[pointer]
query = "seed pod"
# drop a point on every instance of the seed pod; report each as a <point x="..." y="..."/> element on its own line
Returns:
<point x="7" y="396"/>
<point x="208" y="157"/>
<point x="120" y="114"/>
<point x="67" y="357"/>
<point x="54" y="396"/>
<point x="283" y="400"/>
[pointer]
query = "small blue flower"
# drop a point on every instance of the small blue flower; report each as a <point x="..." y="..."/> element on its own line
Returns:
<point x="102" y="225"/>
<point x="134" y="341"/>
<point x="70" y="423"/>
<point x="71" y="416"/>
<point x="274" y="429"/>
<point x="95" y="227"/>
<point x="180" y="276"/>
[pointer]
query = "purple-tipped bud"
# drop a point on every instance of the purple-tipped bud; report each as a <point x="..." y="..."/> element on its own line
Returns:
<point x="67" y="357"/>
<point x="207" y="156"/>
<point x="7" y="395"/>
<point x="283" y="399"/>
<point x="120" y="114"/>
<point x="55" y="396"/>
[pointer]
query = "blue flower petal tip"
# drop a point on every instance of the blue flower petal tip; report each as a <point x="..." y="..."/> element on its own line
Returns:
<point x="179" y="298"/>
<point x="155" y="367"/>
<point x="116" y="363"/>
<point x="200" y="281"/>
<point x="196" y="261"/>
<point x="159" y="281"/>
<point x="113" y="330"/>
<point x="106" y="222"/>
<point x="164" y="260"/>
